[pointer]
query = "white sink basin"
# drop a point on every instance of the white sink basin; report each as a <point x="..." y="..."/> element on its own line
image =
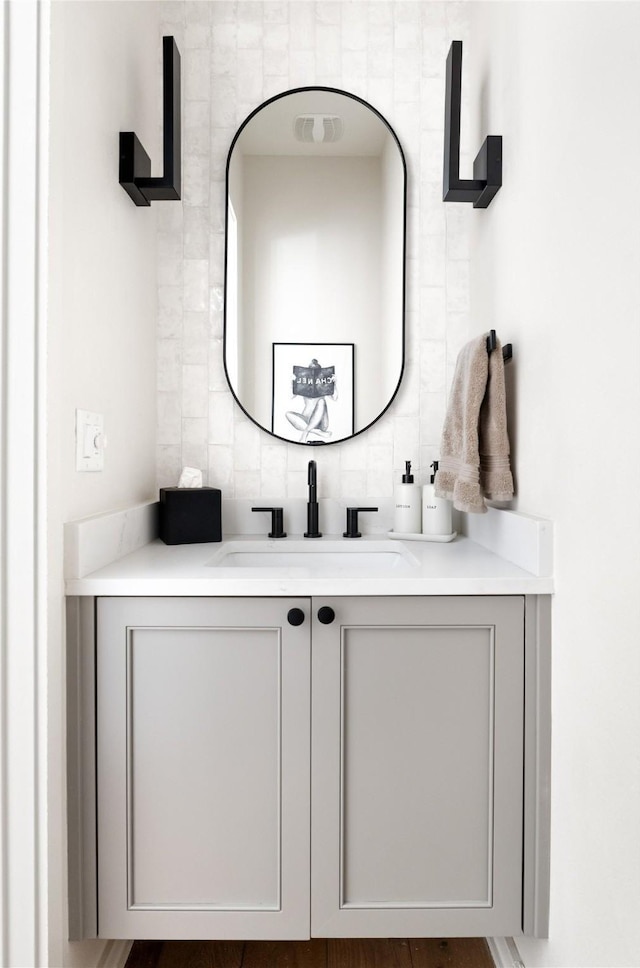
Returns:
<point x="317" y="556"/>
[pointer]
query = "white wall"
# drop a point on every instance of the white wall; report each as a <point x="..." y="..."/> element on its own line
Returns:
<point x="556" y="270"/>
<point x="105" y="77"/>
<point x="236" y="55"/>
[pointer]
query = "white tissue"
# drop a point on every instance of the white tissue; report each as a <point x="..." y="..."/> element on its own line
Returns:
<point x="190" y="477"/>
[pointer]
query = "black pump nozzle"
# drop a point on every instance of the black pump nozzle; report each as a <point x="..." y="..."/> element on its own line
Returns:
<point x="435" y="466"/>
<point x="407" y="477"/>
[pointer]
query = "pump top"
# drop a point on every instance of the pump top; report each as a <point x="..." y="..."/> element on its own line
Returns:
<point x="407" y="477"/>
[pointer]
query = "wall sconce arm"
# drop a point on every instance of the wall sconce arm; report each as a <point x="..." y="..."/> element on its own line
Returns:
<point x="487" y="167"/>
<point x="135" y="164"/>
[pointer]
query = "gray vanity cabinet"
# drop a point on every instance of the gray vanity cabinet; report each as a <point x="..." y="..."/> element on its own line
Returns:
<point x="417" y="766"/>
<point x="232" y="744"/>
<point x="203" y="768"/>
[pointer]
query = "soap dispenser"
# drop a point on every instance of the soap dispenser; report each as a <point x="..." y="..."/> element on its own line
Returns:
<point x="407" y="510"/>
<point x="436" y="511"/>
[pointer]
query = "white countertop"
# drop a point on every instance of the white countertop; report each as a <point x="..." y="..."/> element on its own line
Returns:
<point x="460" y="567"/>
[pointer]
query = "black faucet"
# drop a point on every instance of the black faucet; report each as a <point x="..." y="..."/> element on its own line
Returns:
<point x="312" y="504"/>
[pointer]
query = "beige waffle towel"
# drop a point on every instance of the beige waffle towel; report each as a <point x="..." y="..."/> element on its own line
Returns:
<point x="474" y="453"/>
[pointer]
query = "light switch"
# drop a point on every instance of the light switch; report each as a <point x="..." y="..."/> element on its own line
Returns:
<point x="90" y="441"/>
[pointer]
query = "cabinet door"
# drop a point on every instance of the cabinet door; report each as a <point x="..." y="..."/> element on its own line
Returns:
<point x="417" y="755"/>
<point x="203" y="769"/>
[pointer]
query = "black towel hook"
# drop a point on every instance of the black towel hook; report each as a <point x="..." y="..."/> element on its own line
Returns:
<point x="507" y="349"/>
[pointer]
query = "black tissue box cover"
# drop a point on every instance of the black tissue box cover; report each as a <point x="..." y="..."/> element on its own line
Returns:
<point x="189" y="515"/>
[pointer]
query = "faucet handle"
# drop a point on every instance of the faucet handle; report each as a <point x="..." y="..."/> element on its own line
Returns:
<point x="352" y="522"/>
<point x="276" y="522"/>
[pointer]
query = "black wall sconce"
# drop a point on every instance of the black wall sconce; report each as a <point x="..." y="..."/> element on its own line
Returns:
<point x="135" y="164"/>
<point x="487" y="167"/>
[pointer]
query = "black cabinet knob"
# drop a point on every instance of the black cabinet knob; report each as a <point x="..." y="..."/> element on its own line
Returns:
<point x="295" y="616"/>
<point x="326" y="615"/>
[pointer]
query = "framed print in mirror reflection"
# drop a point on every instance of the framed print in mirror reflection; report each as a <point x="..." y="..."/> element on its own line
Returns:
<point x="313" y="392"/>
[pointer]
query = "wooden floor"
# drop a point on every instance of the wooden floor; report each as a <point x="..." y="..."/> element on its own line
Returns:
<point x="318" y="953"/>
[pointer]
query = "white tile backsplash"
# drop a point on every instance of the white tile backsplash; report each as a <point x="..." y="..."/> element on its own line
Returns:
<point x="234" y="56"/>
<point x="195" y="338"/>
<point x="169" y="365"/>
<point x="221" y="429"/>
<point x="432" y="365"/>
<point x="195" y="180"/>
<point x="196" y="75"/>
<point x="195" y="393"/>
<point x="276" y="12"/>
<point x="196" y="284"/>
<point x="169" y="418"/>
<point x="169" y="312"/>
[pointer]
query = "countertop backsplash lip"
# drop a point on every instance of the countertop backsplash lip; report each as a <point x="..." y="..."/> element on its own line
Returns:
<point x="524" y="539"/>
<point x="98" y="540"/>
<point x="95" y="543"/>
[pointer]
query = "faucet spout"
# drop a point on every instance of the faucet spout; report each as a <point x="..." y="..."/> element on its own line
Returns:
<point x="312" y="503"/>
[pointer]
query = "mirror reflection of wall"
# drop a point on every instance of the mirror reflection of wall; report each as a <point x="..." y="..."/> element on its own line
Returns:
<point x="315" y="254"/>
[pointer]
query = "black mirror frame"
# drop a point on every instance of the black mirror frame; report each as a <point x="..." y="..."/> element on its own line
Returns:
<point x="277" y="97"/>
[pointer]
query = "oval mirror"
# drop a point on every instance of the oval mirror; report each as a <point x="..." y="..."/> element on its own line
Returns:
<point x="314" y="265"/>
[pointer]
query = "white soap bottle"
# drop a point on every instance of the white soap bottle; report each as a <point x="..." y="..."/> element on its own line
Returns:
<point x="406" y="498"/>
<point x="436" y="511"/>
